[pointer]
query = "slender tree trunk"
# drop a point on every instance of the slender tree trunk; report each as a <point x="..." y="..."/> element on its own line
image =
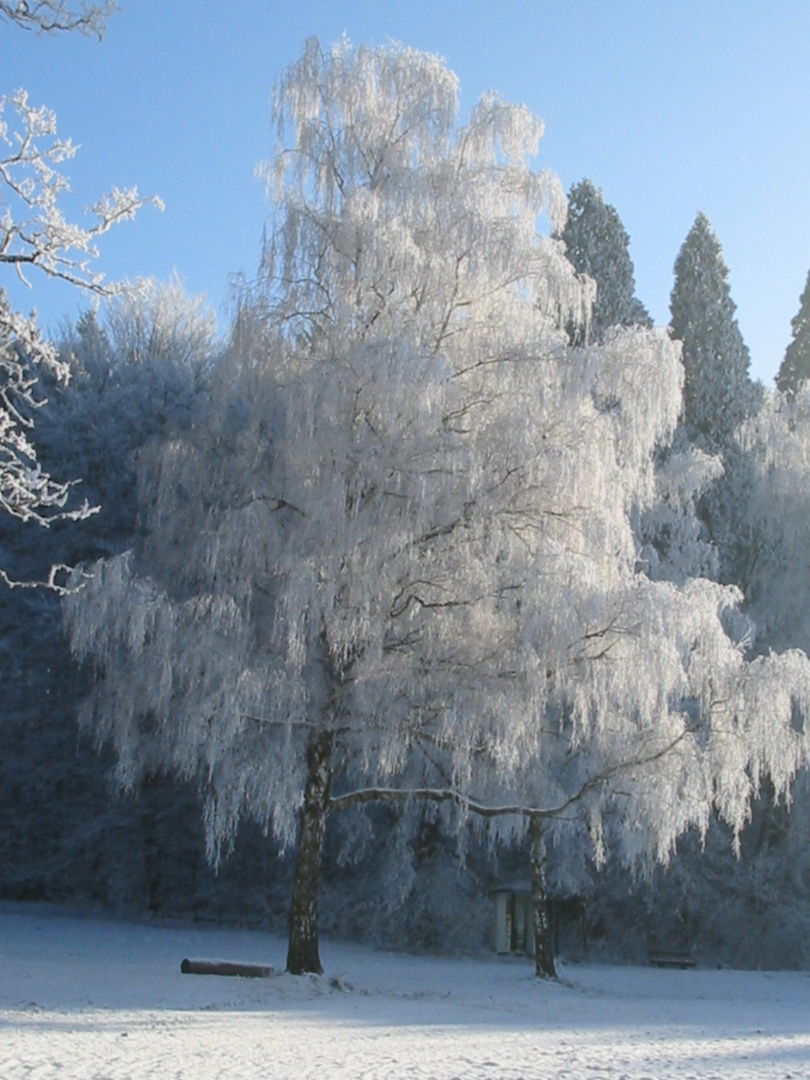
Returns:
<point x="302" y="950"/>
<point x="543" y="944"/>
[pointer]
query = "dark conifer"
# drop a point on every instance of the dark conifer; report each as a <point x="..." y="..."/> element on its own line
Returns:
<point x="795" y="367"/>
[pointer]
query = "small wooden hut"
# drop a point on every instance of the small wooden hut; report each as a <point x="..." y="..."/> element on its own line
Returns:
<point x="512" y="924"/>
<point x="512" y="929"/>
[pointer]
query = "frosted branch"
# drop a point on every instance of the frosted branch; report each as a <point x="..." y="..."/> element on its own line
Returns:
<point x="34" y="235"/>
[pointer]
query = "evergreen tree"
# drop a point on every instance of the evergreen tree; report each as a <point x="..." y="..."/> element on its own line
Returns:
<point x="796" y="365"/>
<point x="718" y="393"/>
<point x="597" y="244"/>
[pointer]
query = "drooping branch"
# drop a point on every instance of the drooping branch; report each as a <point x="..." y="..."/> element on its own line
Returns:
<point x="482" y="809"/>
<point x="436" y="795"/>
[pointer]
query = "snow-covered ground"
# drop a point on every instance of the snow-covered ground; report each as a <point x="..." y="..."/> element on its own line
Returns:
<point x="91" y="999"/>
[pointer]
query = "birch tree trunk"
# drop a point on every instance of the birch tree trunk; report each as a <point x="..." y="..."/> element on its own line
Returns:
<point x="543" y="943"/>
<point x="302" y="949"/>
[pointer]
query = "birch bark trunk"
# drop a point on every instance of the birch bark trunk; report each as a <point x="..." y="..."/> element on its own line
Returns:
<point x="302" y="950"/>
<point x="543" y="942"/>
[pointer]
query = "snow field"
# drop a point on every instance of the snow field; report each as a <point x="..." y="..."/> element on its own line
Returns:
<point x="96" y="1000"/>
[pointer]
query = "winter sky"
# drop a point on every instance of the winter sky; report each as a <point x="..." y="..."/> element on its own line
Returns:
<point x="670" y="106"/>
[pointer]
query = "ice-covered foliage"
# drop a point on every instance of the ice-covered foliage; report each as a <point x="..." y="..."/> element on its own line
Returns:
<point x="597" y="244"/>
<point x="778" y="442"/>
<point x="674" y="547"/>
<point x="138" y="371"/>
<point x="27" y="491"/>
<point x="62" y="836"/>
<point x="795" y="367"/>
<point x="396" y="560"/>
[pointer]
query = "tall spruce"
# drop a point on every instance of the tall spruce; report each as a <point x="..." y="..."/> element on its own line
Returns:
<point x="795" y="367"/>
<point x="597" y="244"/>
<point x="718" y="393"/>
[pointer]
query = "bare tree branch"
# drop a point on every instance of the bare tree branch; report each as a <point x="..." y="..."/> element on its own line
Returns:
<point x="480" y="808"/>
<point x="53" y="16"/>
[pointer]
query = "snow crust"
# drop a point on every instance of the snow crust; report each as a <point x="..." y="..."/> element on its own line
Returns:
<point x="82" y="997"/>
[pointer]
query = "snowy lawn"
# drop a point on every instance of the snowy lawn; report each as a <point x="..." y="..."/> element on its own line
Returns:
<point x="93" y="999"/>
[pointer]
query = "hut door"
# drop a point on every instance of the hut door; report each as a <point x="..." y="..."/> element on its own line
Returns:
<point x="519" y="922"/>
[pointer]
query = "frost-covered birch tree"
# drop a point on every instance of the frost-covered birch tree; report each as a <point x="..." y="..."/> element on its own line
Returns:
<point x="36" y="237"/>
<point x="396" y="561"/>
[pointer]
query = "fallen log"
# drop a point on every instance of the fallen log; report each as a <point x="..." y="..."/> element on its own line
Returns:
<point x="671" y="958"/>
<point x="225" y="967"/>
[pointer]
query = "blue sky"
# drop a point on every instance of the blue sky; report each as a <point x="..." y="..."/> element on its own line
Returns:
<point x="669" y="107"/>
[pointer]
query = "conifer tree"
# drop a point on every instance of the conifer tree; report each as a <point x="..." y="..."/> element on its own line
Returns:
<point x="597" y="244"/>
<point x="718" y="393"/>
<point x="796" y="364"/>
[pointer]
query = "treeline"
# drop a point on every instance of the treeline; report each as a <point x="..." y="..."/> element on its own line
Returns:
<point x="749" y="908"/>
